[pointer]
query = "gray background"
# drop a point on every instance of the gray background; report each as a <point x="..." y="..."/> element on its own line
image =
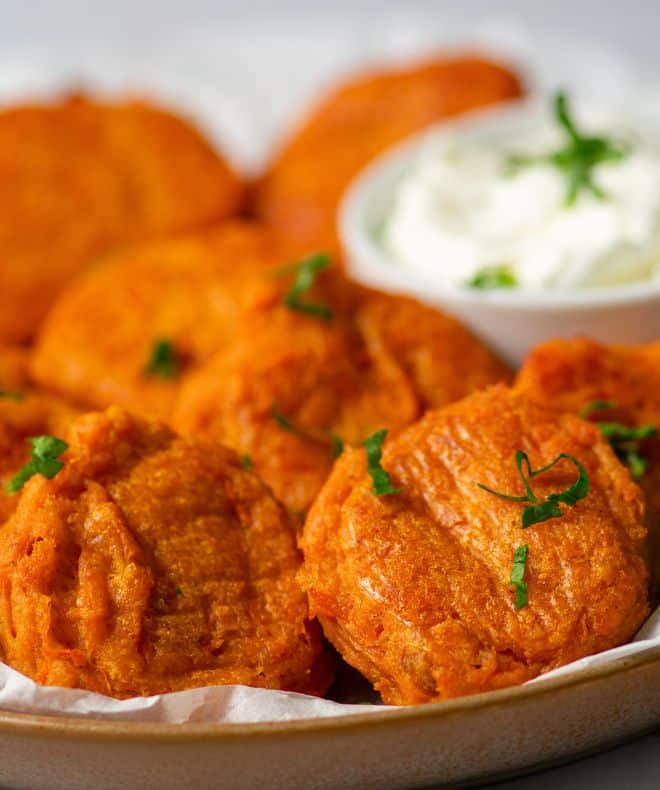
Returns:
<point x="130" y="25"/>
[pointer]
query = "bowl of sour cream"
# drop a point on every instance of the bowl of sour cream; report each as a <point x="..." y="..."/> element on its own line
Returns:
<point x="540" y="219"/>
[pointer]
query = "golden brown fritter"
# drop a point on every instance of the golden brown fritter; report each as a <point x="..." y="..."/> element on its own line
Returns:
<point x="153" y="563"/>
<point x="567" y="375"/>
<point x="79" y="178"/>
<point x="190" y="291"/>
<point x="380" y="362"/>
<point x="302" y="188"/>
<point x="413" y="588"/>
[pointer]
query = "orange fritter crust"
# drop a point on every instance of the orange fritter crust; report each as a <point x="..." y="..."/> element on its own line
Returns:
<point x="191" y="291"/>
<point x="79" y="178"/>
<point x="381" y="362"/>
<point x="300" y="192"/>
<point x="153" y="563"/>
<point x="413" y="588"/>
<point x="566" y="375"/>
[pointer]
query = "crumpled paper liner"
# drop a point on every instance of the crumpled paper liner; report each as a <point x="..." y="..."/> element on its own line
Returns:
<point x="235" y="704"/>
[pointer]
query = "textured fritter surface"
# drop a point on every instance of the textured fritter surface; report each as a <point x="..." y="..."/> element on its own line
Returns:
<point x="566" y="375"/>
<point x="190" y="291"/>
<point x="413" y="588"/>
<point x="79" y="178"/>
<point x="300" y="192"/>
<point x="153" y="563"/>
<point x="380" y="362"/>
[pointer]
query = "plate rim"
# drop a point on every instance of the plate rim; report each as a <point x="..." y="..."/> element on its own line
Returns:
<point x="113" y="730"/>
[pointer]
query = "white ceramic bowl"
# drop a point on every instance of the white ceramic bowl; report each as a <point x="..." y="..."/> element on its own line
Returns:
<point x="512" y="321"/>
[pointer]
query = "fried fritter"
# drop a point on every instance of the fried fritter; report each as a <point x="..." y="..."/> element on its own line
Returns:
<point x="568" y="375"/>
<point x="79" y="178"/>
<point x="413" y="588"/>
<point x="288" y="389"/>
<point x="98" y="339"/>
<point x="302" y="188"/>
<point x="153" y="563"/>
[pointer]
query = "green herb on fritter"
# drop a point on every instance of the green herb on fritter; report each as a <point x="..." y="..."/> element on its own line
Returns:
<point x="380" y="478"/>
<point x="43" y="461"/>
<point x="162" y="362"/>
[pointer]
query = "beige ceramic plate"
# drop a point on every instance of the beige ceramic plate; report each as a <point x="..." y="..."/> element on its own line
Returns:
<point x="452" y="743"/>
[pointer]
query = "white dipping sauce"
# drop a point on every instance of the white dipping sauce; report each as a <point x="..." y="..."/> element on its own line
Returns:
<point x="460" y="209"/>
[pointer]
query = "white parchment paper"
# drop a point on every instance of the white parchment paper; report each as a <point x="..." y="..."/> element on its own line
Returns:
<point x="235" y="704"/>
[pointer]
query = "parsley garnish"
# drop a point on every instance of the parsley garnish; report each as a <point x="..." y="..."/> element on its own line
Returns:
<point x="596" y="405"/>
<point x="162" y="362"/>
<point x="306" y="272"/>
<point x="337" y="445"/>
<point x="179" y="592"/>
<point x="11" y="394"/>
<point x="246" y="462"/>
<point x="537" y="511"/>
<point x="493" y="277"/>
<point x="625" y="441"/>
<point x="284" y="422"/>
<point x="381" y="479"/>
<point x="44" y="461"/>
<point x="517" y="577"/>
<point x="549" y="508"/>
<point x="336" y="442"/>
<point x="579" y="156"/>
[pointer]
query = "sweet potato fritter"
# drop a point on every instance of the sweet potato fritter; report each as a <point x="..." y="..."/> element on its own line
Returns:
<point x="153" y="563"/>
<point x="413" y="588"/>
<point x="568" y="375"/>
<point x="190" y="291"/>
<point x="288" y="389"/>
<point x="79" y="178"/>
<point x="302" y="188"/>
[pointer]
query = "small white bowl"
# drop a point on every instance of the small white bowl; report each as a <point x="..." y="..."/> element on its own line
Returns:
<point x="511" y="321"/>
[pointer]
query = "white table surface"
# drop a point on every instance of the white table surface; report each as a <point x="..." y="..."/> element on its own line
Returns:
<point x="133" y="26"/>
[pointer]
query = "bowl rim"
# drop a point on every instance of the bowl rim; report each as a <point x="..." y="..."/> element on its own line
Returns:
<point x="368" y="262"/>
<point x="113" y="730"/>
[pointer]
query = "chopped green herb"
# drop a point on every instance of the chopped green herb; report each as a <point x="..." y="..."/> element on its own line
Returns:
<point x="636" y="463"/>
<point x="283" y="421"/>
<point x="306" y="272"/>
<point x="162" y="362"/>
<point x="337" y="445"/>
<point x="539" y="511"/>
<point x="493" y="277"/>
<point x="246" y="462"/>
<point x="381" y="479"/>
<point x="11" y="394"/>
<point x="44" y="461"/>
<point x="579" y="156"/>
<point x="596" y="405"/>
<point x="625" y="440"/>
<point x="179" y="592"/>
<point x="618" y="433"/>
<point x="517" y="578"/>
